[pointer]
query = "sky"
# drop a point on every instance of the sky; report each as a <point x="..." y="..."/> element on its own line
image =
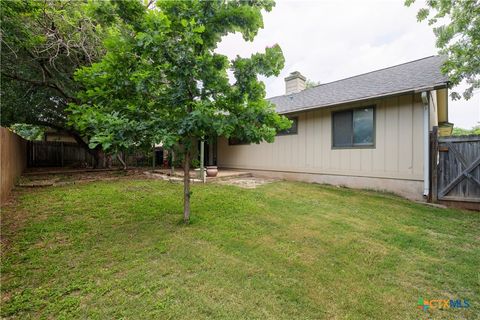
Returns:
<point x="336" y="39"/>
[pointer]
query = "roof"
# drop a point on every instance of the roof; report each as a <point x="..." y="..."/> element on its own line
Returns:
<point x="414" y="76"/>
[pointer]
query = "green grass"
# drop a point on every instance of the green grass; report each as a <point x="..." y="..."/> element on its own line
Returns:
<point x="118" y="249"/>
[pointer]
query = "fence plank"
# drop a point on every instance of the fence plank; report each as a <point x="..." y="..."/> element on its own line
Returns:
<point x="56" y="154"/>
<point x="64" y="154"/>
<point x="434" y="164"/>
<point x="458" y="171"/>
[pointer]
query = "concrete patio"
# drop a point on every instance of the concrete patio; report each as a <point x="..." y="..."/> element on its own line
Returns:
<point x="195" y="174"/>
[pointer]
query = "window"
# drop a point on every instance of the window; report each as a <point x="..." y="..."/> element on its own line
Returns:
<point x="292" y="130"/>
<point x="236" y="141"/>
<point x="353" y="128"/>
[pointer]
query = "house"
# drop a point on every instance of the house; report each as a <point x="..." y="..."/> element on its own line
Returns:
<point x="367" y="131"/>
<point x="54" y="135"/>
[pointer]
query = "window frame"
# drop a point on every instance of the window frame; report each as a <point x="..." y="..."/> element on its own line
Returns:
<point x="292" y="118"/>
<point x="353" y="146"/>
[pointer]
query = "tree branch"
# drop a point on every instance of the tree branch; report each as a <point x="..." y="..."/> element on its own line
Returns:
<point x="71" y="132"/>
<point x="42" y="83"/>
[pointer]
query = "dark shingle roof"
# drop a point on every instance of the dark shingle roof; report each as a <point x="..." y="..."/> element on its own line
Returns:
<point x="407" y="77"/>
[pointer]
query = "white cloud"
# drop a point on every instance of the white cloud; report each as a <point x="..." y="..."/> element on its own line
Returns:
<point x="331" y="40"/>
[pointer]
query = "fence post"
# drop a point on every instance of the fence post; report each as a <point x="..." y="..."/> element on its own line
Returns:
<point x="29" y="153"/>
<point x="154" y="156"/>
<point x="202" y="160"/>
<point x="433" y="197"/>
<point x="62" y="155"/>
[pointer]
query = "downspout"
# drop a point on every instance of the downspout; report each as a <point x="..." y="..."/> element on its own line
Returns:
<point x="426" y="144"/>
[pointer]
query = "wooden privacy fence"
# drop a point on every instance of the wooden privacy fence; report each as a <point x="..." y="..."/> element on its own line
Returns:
<point x="456" y="169"/>
<point x="13" y="150"/>
<point x="57" y="154"/>
<point x="70" y="154"/>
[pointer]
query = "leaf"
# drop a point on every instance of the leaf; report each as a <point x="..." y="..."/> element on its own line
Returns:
<point x="199" y="29"/>
<point x="422" y="14"/>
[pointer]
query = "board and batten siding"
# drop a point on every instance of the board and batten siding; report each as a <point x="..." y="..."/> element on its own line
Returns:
<point x="397" y="154"/>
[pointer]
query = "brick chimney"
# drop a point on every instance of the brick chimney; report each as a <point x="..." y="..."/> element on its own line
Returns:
<point x="294" y="83"/>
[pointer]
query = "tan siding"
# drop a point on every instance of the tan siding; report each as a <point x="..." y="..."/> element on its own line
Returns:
<point x="442" y="105"/>
<point x="433" y="109"/>
<point x="309" y="139"/>
<point x="397" y="153"/>
<point x="325" y="140"/>
<point x="391" y="135"/>
<point x="405" y="134"/>
<point x="378" y="162"/>
<point x="417" y="150"/>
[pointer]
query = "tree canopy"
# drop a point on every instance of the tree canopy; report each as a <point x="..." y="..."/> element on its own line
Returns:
<point x="475" y="130"/>
<point x="311" y="83"/>
<point x="43" y="44"/>
<point x="162" y="81"/>
<point x="457" y="28"/>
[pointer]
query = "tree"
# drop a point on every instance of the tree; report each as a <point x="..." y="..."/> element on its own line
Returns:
<point x="475" y="130"/>
<point x="43" y="44"/>
<point x="28" y="131"/>
<point x="457" y="28"/>
<point x="311" y="83"/>
<point x="161" y="81"/>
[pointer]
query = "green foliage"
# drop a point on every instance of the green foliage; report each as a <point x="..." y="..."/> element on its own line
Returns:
<point x="161" y="81"/>
<point x="457" y="28"/>
<point x="195" y="163"/>
<point x="28" y="131"/>
<point x="466" y="132"/>
<point x="43" y="44"/>
<point x="311" y="83"/>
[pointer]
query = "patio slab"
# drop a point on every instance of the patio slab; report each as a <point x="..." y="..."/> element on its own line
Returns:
<point x="222" y="174"/>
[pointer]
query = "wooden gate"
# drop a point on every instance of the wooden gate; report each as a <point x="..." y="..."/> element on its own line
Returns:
<point x="457" y="169"/>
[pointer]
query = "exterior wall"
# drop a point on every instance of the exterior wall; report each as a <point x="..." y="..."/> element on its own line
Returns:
<point x="433" y="106"/>
<point x="397" y="154"/>
<point x="59" y="138"/>
<point x="406" y="188"/>
<point x="442" y="104"/>
<point x="13" y="160"/>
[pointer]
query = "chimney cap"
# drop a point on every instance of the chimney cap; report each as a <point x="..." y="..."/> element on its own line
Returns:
<point x="294" y="75"/>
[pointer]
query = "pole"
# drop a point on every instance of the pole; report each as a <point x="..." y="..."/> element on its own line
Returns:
<point x="202" y="160"/>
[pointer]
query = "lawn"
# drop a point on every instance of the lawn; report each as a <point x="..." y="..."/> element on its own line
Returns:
<point x="118" y="249"/>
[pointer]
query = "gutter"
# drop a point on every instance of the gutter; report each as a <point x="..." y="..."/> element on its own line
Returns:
<point x="366" y="98"/>
<point x="426" y="143"/>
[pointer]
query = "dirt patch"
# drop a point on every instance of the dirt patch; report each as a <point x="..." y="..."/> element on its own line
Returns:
<point x="246" y="182"/>
<point x="58" y="179"/>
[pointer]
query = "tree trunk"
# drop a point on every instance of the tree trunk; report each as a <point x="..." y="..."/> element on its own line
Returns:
<point x="186" y="187"/>
<point x="108" y="161"/>
<point x="99" y="159"/>
<point x="124" y="164"/>
<point x="97" y="153"/>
